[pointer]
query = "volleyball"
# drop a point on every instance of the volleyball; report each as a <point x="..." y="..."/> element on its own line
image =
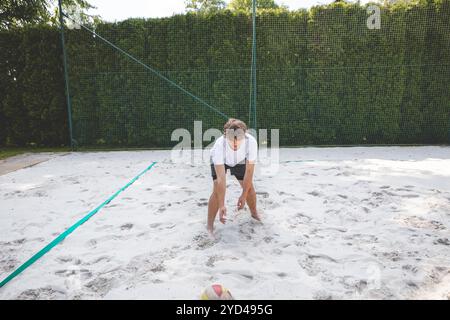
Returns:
<point x="216" y="292"/>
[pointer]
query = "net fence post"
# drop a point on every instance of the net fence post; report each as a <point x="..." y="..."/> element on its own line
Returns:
<point x="254" y="64"/>
<point x="66" y="76"/>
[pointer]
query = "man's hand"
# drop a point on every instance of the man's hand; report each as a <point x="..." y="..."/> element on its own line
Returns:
<point x="241" y="202"/>
<point x="223" y="214"/>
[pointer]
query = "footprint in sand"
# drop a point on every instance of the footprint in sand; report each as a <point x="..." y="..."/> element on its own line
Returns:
<point x="110" y="237"/>
<point x="354" y="285"/>
<point x="126" y="226"/>
<point x="40" y="194"/>
<point x="146" y="265"/>
<point x="80" y="274"/>
<point x="203" y="241"/>
<point x="315" y="193"/>
<point x="270" y="204"/>
<point x="100" y="285"/>
<point x="422" y="223"/>
<point x="393" y="256"/>
<point x="212" y="260"/>
<point x="47" y="293"/>
<point x="410" y="196"/>
<point x="442" y="241"/>
<point x="410" y="268"/>
<point x="322" y="295"/>
<point x="99" y="259"/>
<point x="14" y="193"/>
<point x="378" y="195"/>
<point x="113" y="205"/>
<point x="14" y="242"/>
<point x="362" y="238"/>
<point x="403" y="189"/>
<point x="155" y="225"/>
<point x="263" y="194"/>
<point x="311" y="263"/>
<point x="268" y="239"/>
<point x="344" y="173"/>
<point x="299" y="219"/>
<point x="66" y="259"/>
<point x="202" y="202"/>
<point x="9" y="264"/>
<point x="332" y="211"/>
<point x="91" y="243"/>
<point x="282" y="193"/>
<point x="247" y="276"/>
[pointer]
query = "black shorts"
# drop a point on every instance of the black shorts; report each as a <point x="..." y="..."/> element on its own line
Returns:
<point x="238" y="171"/>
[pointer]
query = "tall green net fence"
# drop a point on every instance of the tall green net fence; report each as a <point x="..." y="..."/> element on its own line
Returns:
<point x="336" y="74"/>
<point x="201" y="73"/>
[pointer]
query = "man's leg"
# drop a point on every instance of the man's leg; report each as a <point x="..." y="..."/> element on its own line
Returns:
<point x="213" y="207"/>
<point x="251" y="200"/>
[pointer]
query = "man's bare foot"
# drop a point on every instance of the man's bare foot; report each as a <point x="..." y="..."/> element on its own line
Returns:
<point x="211" y="232"/>
<point x="256" y="216"/>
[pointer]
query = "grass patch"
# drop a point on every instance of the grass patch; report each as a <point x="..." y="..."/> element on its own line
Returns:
<point x="11" y="152"/>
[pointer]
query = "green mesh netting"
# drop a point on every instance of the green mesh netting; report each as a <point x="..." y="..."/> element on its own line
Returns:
<point x="323" y="76"/>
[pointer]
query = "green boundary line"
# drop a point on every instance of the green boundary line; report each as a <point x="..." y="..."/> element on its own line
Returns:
<point x="63" y="235"/>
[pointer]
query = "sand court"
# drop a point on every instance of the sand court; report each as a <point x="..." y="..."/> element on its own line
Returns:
<point x="340" y="223"/>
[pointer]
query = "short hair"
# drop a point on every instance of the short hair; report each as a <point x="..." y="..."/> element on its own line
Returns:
<point x="235" y="127"/>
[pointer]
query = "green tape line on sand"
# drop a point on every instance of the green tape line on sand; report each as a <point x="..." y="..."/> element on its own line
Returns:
<point x="63" y="235"/>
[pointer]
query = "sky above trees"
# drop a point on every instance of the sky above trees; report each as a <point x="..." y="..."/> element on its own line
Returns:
<point x="112" y="10"/>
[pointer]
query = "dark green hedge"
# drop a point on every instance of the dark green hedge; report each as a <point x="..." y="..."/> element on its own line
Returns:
<point x="32" y="105"/>
<point x="323" y="77"/>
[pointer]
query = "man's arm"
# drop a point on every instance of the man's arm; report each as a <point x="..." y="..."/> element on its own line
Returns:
<point x="220" y="190"/>
<point x="247" y="183"/>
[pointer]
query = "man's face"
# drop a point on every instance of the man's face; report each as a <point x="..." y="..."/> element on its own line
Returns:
<point x="235" y="138"/>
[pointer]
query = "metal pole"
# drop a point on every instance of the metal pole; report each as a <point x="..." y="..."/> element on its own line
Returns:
<point x="254" y="65"/>
<point x="66" y="76"/>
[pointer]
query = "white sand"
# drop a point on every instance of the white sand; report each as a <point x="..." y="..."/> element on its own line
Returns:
<point x="354" y="223"/>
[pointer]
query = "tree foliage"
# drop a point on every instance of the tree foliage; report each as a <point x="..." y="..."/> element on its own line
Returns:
<point x="19" y="13"/>
<point x="246" y="5"/>
<point x="205" y="6"/>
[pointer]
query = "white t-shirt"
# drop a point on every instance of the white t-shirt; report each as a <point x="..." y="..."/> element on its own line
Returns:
<point x="223" y="153"/>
